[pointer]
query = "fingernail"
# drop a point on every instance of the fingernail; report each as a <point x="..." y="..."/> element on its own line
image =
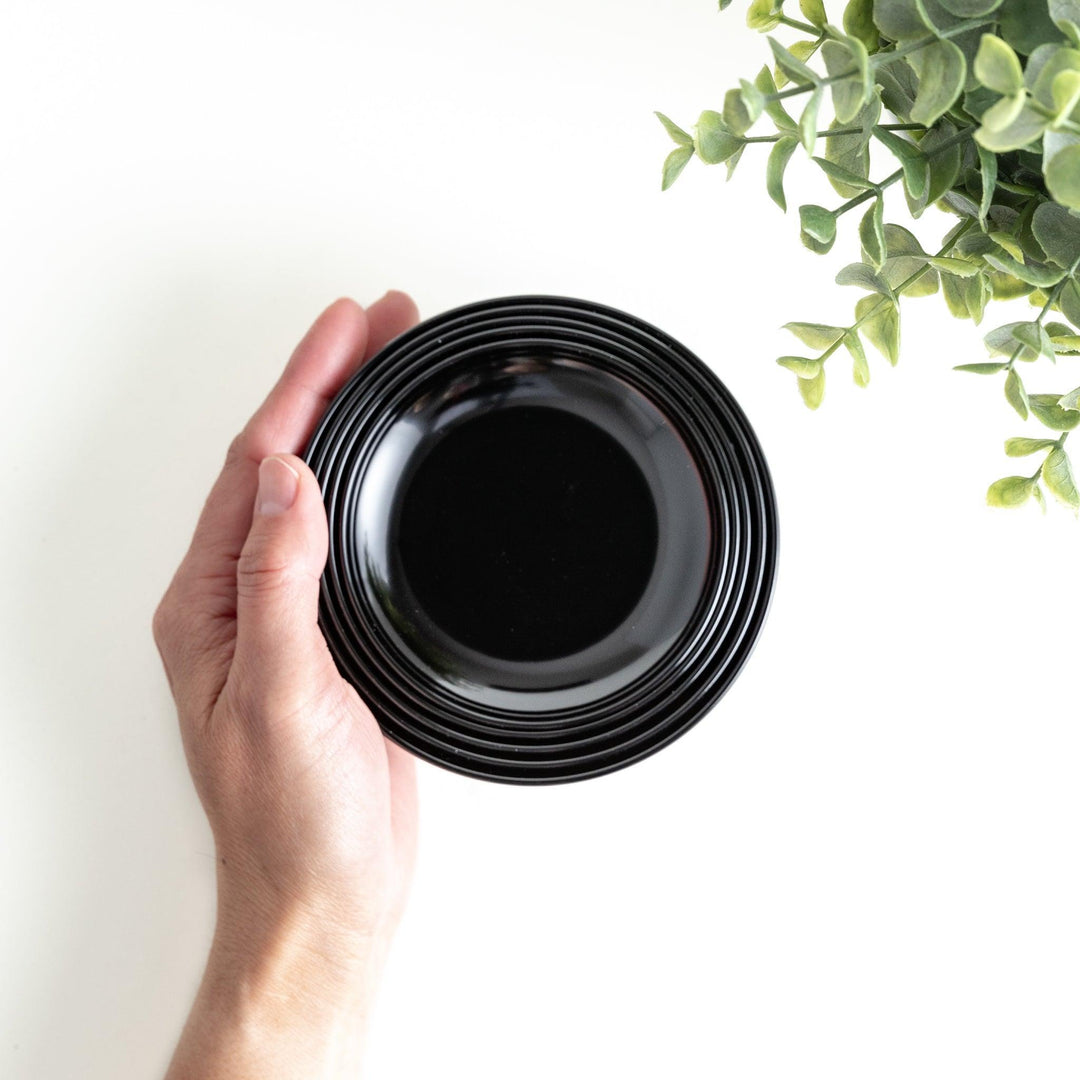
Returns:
<point x="278" y="484"/>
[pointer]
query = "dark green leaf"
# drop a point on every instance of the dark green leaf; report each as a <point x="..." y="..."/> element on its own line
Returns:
<point x="970" y="9"/>
<point x="845" y="176"/>
<point x="898" y="19"/>
<point x="1026" y="24"/>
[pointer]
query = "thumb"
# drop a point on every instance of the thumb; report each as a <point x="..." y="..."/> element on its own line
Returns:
<point x="281" y="657"/>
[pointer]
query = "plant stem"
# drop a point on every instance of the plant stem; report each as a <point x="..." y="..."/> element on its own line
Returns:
<point x="880" y="59"/>
<point x="836" y="133"/>
<point x="795" y="24"/>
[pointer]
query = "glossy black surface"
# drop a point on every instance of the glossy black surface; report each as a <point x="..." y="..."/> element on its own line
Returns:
<point x="553" y="538"/>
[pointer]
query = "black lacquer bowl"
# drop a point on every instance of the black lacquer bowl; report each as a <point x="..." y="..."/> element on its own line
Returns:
<point x="553" y="538"/>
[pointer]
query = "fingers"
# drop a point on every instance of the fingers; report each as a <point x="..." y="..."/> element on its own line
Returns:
<point x="392" y="315"/>
<point x="281" y="660"/>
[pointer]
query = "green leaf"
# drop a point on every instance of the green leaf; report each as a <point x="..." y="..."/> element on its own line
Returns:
<point x="1065" y="90"/>
<point x="1003" y="112"/>
<point x="674" y="164"/>
<point x="882" y="325"/>
<point x="813" y="390"/>
<point x="764" y="14"/>
<point x="814" y="10"/>
<point x="1023" y="447"/>
<point x="898" y="19"/>
<point x="1064" y="339"/>
<point x="1058" y="233"/>
<point x="742" y="107"/>
<point x="1071" y="400"/>
<point x="778" y="160"/>
<point x="970" y="9"/>
<point x="956" y="267"/>
<point x="1015" y="394"/>
<point x="912" y="160"/>
<point x="1041" y="277"/>
<point x="852" y="152"/>
<point x="791" y="66"/>
<point x="863" y="277"/>
<point x="777" y="113"/>
<point x="1063" y="176"/>
<point x="860" y="370"/>
<point x="942" y="71"/>
<point x="981" y="369"/>
<point x="849" y="95"/>
<point x="1024" y="130"/>
<point x="1045" y="408"/>
<point x="816" y="335"/>
<point x="872" y="234"/>
<point x="1039" y="498"/>
<point x="1066" y="14"/>
<point x="808" y="120"/>
<point x="682" y="138"/>
<point x="997" y="66"/>
<point x="1029" y="338"/>
<point x="1057" y="474"/>
<point x="1010" y="491"/>
<point x="714" y="141"/>
<point x="801" y="365"/>
<point x="859" y="23"/>
<point x="1026" y="24"/>
<point x="1069" y="303"/>
<point x="845" y="176"/>
<point x="818" y="227"/>
<point x="988" y="169"/>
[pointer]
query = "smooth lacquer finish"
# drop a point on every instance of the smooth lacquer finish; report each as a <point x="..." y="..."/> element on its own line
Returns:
<point x="553" y="538"/>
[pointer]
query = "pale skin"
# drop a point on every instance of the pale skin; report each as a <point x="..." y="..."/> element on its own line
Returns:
<point x="313" y="811"/>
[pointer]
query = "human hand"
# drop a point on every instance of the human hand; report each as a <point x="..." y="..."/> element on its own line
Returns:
<point x="313" y="811"/>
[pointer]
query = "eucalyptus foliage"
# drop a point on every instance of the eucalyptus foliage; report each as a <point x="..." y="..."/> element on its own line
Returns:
<point x="978" y="102"/>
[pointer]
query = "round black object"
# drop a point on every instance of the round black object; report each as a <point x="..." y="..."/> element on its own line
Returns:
<point x="553" y="538"/>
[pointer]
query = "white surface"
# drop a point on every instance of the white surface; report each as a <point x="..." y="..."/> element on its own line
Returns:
<point x="861" y="864"/>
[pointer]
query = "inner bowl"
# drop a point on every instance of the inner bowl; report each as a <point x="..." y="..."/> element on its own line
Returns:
<point x="553" y="538"/>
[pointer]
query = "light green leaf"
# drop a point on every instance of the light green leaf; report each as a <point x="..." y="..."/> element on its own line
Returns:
<point x="742" y="107"/>
<point x="1071" y="400"/>
<point x="882" y="325"/>
<point x="970" y="9"/>
<point x="1025" y="129"/>
<point x="849" y="95"/>
<point x="1065" y="91"/>
<point x="814" y="10"/>
<point x="1003" y="112"/>
<point x="1041" y="277"/>
<point x="715" y="142"/>
<point x="1058" y="233"/>
<point x="1063" y="176"/>
<point x="872" y="234"/>
<point x="778" y="160"/>
<point x="997" y="66"/>
<point x="1069" y="303"/>
<point x="981" y="369"/>
<point x="791" y="66"/>
<point x="1010" y="491"/>
<point x="1040" y="498"/>
<point x="813" y="390"/>
<point x="863" y="277"/>
<point x="1015" y="394"/>
<point x="1057" y="474"/>
<point x="860" y="368"/>
<point x="1066" y="14"/>
<point x="1030" y="338"/>
<point x="942" y="71"/>
<point x="816" y="335"/>
<point x="1045" y="408"/>
<point x="682" y="138"/>
<point x="845" y="176"/>
<point x="808" y="120"/>
<point x="956" y="267"/>
<point x="912" y="160"/>
<point x="1023" y="447"/>
<point x="674" y="164"/>
<point x="818" y="227"/>
<point x="764" y="14"/>
<point x="803" y="367"/>
<point x="777" y="113"/>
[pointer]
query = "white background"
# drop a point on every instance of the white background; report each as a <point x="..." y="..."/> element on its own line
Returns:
<point x="862" y="863"/>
